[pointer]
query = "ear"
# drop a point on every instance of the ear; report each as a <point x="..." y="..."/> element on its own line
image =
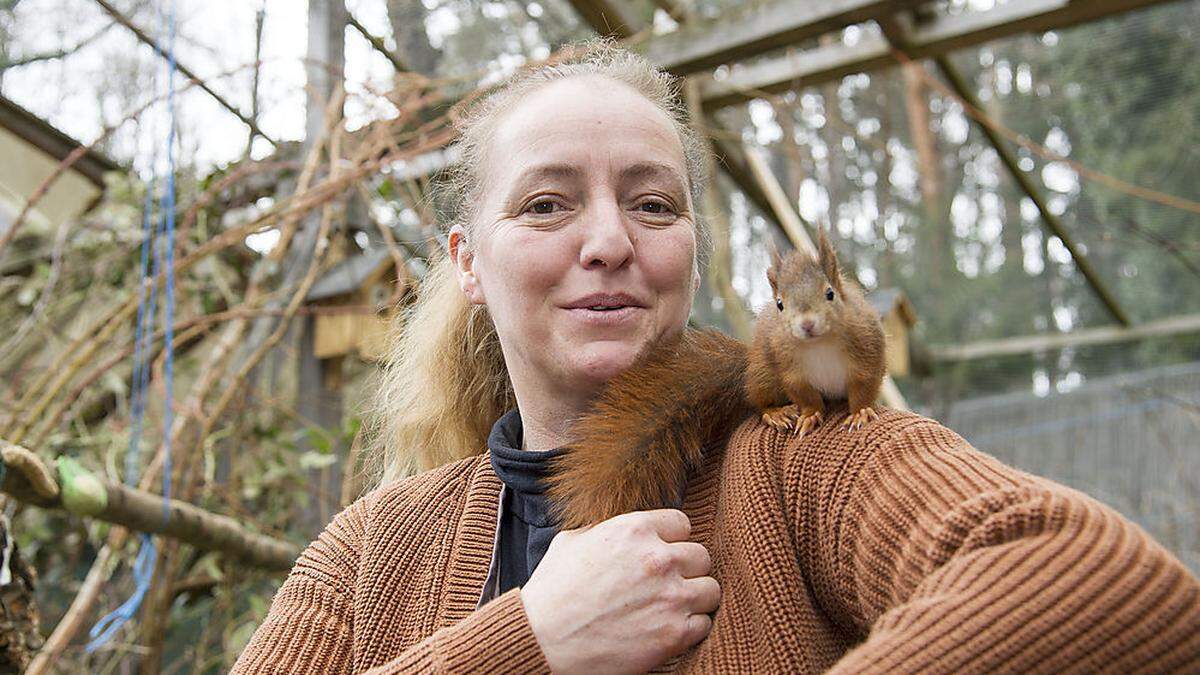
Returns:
<point x="776" y="261"/>
<point x="828" y="259"/>
<point x="463" y="258"/>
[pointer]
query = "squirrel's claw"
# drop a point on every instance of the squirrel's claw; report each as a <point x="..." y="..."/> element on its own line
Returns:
<point x="860" y="419"/>
<point x="782" y="418"/>
<point x="809" y="420"/>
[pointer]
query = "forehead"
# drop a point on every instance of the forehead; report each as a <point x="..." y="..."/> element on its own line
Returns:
<point x="590" y="123"/>
<point x="800" y="269"/>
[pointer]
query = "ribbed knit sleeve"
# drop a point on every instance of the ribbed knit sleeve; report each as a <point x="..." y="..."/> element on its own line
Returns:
<point x="951" y="561"/>
<point x="495" y="638"/>
<point x="308" y="628"/>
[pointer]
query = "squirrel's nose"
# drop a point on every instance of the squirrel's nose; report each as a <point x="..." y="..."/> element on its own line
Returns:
<point x="807" y="325"/>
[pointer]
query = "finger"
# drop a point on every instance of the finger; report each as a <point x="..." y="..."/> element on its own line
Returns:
<point x="671" y="525"/>
<point x="694" y="560"/>
<point x="704" y="594"/>
<point x="698" y="626"/>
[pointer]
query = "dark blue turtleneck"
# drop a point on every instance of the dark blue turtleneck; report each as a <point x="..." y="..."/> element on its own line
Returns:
<point x="526" y="526"/>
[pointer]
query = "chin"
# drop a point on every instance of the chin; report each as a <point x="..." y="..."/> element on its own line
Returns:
<point x="602" y="361"/>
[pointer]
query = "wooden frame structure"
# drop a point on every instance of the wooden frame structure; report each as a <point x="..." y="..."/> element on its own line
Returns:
<point x="693" y="49"/>
<point x="698" y="48"/>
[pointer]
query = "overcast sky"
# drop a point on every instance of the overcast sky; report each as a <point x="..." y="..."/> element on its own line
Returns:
<point x="214" y="37"/>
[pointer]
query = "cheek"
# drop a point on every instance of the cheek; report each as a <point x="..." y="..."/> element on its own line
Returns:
<point x="673" y="256"/>
<point x="520" y="267"/>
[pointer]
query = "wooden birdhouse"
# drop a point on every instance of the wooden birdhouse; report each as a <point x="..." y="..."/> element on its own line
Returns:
<point x="898" y="316"/>
<point x="345" y="300"/>
<point x="30" y="151"/>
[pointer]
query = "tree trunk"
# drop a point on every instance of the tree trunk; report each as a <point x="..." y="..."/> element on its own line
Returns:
<point x="408" y="29"/>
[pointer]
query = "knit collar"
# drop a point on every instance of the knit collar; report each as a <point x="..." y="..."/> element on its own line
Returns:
<point x="523" y="471"/>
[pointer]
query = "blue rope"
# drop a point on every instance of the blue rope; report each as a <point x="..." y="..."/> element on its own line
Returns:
<point x="163" y="237"/>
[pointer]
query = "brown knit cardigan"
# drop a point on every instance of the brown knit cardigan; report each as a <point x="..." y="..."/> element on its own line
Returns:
<point x="899" y="548"/>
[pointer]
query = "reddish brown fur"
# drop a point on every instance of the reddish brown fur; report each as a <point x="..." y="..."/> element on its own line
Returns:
<point x="774" y="376"/>
<point x="652" y="424"/>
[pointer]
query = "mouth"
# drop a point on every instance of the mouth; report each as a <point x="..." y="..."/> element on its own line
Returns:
<point x="606" y="302"/>
<point x="606" y="308"/>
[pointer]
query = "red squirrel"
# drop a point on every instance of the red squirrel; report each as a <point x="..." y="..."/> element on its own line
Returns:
<point x="653" y="423"/>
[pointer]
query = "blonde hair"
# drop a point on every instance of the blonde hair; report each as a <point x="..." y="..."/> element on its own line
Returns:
<point x="444" y="383"/>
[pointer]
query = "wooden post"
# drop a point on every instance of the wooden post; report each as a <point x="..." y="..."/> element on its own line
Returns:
<point x="316" y="401"/>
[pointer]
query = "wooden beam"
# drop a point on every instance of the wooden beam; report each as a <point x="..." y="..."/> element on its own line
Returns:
<point x="611" y="18"/>
<point x="897" y="36"/>
<point x="739" y="35"/>
<point x="781" y="204"/>
<point x="720" y="265"/>
<point x="825" y="64"/>
<point x="1031" y="344"/>
<point x="674" y="8"/>
<point x="184" y="70"/>
<point x="731" y="158"/>
<point x="1051" y="221"/>
<point x="941" y="35"/>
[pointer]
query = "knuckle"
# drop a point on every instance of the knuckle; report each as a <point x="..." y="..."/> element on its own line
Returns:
<point x="674" y="596"/>
<point x="656" y="562"/>
<point x="673" y="634"/>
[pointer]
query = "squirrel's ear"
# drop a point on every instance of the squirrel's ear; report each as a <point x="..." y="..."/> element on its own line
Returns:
<point x="828" y="259"/>
<point x="776" y="261"/>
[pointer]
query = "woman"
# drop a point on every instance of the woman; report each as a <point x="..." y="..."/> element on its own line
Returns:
<point x="896" y="549"/>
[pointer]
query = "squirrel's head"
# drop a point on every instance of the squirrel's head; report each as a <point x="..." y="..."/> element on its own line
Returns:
<point x="807" y="291"/>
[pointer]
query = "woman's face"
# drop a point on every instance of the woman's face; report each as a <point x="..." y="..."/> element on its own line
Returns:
<point x="584" y="245"/>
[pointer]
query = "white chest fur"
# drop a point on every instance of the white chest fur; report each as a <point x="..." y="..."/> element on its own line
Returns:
<point x="825" y="365"/>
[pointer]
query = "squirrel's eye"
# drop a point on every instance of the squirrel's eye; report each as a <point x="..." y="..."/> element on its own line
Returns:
<point x="829" y="294"/>
<point x="779" y="303"/>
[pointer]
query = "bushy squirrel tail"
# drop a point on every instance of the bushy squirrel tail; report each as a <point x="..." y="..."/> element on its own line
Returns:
<point x="649" y="427"/>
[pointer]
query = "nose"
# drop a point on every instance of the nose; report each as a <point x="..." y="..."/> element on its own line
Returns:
<point x="606" y="243"/>
<point x="807" y="325"/>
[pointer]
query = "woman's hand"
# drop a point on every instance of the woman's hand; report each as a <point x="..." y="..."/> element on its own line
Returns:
<point x="622" y="596"/>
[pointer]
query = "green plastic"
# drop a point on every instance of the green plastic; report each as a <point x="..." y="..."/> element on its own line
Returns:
<point x="82" y="493"/>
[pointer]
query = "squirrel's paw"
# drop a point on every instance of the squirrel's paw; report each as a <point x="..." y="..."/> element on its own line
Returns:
<point x="782" y="418"/>
<point x="809" y="419"/>
<point x="860" y="419"/>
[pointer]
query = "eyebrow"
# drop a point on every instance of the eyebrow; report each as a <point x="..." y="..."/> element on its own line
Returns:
<point x="652" y="170"/>
<point x="569" y="172"/>
<point x="539" y="174"/>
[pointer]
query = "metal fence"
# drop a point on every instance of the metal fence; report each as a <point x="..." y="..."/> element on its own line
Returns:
<point x="1132" y="441"/>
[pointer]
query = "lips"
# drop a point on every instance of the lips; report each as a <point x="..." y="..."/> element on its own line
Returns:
<point x="606" y="311"/>
<point x="605" y="302"/>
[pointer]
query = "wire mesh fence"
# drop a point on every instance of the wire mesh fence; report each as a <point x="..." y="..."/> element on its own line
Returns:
<point x="1132" y="441"/>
